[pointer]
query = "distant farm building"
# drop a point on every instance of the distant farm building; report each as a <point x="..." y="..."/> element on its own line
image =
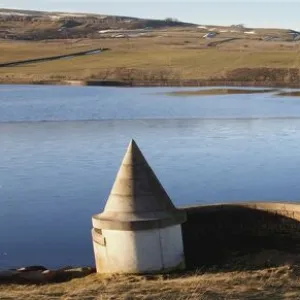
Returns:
<point x="119" y="36"/>
<point x="209" y="35"/>
<point x="294" y="34"/>
<point x="110" y="30"/>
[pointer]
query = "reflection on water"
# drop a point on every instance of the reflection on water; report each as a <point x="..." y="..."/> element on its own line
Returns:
<point x="55" y="175"/>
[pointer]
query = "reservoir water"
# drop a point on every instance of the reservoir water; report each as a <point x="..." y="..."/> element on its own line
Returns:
<point x="60" y="149"/>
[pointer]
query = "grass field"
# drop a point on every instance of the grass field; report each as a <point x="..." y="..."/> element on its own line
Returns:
<point x="271" y="283"/>
<point x="180" y="55"/>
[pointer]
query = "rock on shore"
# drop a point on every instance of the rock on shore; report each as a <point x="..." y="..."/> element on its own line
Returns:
<point x="40" y="274"/>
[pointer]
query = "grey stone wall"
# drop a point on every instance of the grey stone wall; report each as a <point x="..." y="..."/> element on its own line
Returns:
<point x="214" y="235"/>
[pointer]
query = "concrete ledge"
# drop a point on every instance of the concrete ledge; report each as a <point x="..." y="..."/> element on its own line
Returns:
<point x="216" y="234"/>
<point x="256" y="205"/>
<point x="141" y="221"/>
<point x="284" y="209"/>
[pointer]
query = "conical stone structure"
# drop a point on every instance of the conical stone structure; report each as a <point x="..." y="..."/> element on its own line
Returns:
<point x="139" y="230"/>
<point x="137" y="200"/>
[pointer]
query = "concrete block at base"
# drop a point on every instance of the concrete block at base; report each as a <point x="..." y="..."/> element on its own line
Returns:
<point x="146" y="251"/>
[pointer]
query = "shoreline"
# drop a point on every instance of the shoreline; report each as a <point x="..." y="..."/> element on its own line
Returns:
<point x="169" y="83"/>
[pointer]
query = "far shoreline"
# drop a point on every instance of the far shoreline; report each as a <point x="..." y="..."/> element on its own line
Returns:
<point x="171" y="83"/>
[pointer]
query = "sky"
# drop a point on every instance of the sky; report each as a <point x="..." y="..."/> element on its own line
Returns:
<point x="255" y="13"/>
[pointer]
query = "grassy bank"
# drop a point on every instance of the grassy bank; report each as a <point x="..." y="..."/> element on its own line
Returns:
<point x="270" y="283"/>
<point x="166" y="58"/>
<point x="269" y="274"/>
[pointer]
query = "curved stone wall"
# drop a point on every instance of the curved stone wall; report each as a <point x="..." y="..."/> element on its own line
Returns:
<point x="215" y="234"/>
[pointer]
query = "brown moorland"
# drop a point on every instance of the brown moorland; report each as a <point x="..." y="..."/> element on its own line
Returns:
<point x="171" y="56"/>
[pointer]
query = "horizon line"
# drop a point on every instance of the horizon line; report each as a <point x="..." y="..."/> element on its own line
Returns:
<point x="133" y="17"/>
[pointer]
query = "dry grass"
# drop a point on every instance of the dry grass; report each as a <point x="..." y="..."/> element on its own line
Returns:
<point x="272" y="283"/>
<point x="181" y="53"/>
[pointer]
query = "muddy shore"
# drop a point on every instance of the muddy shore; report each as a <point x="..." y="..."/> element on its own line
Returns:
<point x="170" y="83"/>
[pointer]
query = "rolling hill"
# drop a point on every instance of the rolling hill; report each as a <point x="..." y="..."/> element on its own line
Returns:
<point x="36" y="25"/>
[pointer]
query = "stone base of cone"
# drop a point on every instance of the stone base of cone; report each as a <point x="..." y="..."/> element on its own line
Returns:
<point x="149" y="251"/>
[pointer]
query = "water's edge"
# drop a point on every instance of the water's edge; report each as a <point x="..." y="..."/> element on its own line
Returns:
<point x="169" y="83"/>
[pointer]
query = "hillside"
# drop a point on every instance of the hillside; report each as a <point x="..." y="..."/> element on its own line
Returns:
<point x="35" y="25"/>
<point x="143" y="51"/>
<point x="39" y="25"/>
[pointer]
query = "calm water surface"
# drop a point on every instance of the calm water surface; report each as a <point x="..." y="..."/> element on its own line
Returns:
<point x="60" y="149"/>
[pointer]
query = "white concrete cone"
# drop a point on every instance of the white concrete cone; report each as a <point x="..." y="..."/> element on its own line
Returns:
<point x="139" y="230"/>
